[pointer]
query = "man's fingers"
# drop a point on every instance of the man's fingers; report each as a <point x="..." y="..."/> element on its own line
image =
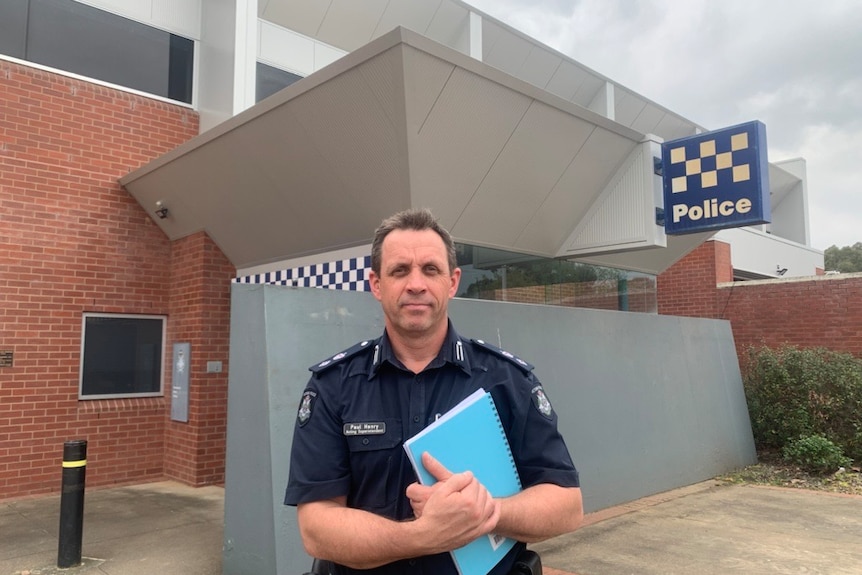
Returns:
<point x="435" y="468"/>
<point x="417" y="491"/>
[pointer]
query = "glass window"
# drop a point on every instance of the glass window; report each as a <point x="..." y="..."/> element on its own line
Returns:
<point x="506" y="276"/>
<point x="270" y="80"/>
<point x="122" y="355"/>
<point x="76" y="38"/>
<point x="13" y="24"/>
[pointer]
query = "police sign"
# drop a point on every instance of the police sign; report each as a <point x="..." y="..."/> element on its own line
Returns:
<point x="716" y="180"/>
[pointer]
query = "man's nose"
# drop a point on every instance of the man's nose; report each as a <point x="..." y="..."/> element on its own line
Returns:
<point x="416" y="280"/>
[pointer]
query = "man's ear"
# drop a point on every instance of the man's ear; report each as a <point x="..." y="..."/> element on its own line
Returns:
<point x="455" y="278"/>
<point x="374" y="284"/>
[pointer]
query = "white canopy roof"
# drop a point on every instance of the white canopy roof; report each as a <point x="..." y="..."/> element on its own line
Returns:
<point x="401" y="122"/>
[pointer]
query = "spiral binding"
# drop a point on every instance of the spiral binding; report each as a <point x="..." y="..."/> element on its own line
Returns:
<point x="506" y="439"/>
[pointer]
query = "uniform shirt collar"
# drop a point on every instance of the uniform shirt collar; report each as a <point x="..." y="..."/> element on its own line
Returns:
<point x="453" y="351"/>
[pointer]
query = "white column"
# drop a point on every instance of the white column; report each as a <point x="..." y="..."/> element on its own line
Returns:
<point x="245" y="55"/>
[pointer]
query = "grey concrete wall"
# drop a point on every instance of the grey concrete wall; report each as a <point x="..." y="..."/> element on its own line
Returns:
<point x="647" y="403"/>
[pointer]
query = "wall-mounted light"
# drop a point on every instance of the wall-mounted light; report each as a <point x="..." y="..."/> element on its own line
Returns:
<point x="161" y="210"/>
<point x="780" y="270"/>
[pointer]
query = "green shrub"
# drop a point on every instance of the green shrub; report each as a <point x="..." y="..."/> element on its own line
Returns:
<point x="795" y="393"/>
<point x="816" y="454"/>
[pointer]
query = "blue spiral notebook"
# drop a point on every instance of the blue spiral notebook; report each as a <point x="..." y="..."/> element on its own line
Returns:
<point x="470" y="437"/>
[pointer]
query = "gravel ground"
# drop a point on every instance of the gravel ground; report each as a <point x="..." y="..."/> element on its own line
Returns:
<point x="772" y="470"/>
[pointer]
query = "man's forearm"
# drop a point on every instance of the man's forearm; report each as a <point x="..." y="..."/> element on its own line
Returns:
<point x="457" y="510"/>
<point x="356" y="538"/>
<point x="540" y="512"/>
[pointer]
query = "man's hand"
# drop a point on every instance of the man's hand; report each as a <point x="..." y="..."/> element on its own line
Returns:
<point x="449" y="514"/>
<point x="535" y="514"/>
<point x="417" y="493"/>
<point x="457" y="508"/>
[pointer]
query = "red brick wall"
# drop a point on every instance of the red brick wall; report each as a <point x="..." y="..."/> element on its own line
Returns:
<point x="200" y="315"/>
<point x="806" y="312"/>
<point x="688" y="288"/>
<point x="73" y="241"/>
<point x="818" y="311"/>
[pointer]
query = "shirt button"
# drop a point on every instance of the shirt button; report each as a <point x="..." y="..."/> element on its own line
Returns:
<point x="415" y="419"/>
<point x="412" y="562"/>
<point x="364" y="441"/>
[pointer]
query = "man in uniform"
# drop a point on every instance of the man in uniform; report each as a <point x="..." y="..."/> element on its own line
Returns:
<point x="358" y="502"/>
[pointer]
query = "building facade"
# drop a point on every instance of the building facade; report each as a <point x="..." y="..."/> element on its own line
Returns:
<point x="152" y="151"/>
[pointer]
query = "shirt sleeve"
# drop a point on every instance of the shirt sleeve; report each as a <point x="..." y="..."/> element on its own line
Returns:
<point x="539" y="450"/>
<point x="317" y="431"/>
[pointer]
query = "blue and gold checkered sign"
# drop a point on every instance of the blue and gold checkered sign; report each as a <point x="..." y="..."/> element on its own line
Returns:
<point x="716" y="180"/>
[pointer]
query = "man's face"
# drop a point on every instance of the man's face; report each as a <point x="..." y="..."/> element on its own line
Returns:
<point x="415" y="284"/>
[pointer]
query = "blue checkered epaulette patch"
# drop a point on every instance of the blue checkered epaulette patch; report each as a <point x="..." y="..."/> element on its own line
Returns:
<point x="341" y="356"/>
<point x="504" y="354"/>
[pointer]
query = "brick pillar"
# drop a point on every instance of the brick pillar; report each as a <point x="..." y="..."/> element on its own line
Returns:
<point x="688" y="287"/>
<point x="199" y="315"/>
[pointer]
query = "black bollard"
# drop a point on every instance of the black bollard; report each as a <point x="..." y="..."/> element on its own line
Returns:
<point x="72" y="503"/>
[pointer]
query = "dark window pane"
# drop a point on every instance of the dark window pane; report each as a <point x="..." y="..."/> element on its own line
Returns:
<point x="270" y="80"/>
<point x="77" y="38"/>
<point x="122" y="356"/>
<point x="13" y="26"/>
<point x="181" y="67"/>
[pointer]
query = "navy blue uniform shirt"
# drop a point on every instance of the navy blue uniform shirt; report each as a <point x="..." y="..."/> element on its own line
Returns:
<point x="368" y="385"/>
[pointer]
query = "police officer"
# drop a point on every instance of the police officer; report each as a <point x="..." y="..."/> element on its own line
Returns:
<point x="358" y="502"/>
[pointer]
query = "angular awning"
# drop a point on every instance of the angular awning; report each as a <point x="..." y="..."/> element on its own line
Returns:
<point x="402" y="122"/>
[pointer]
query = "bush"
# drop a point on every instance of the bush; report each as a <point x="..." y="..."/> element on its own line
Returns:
<point x="795" y="393"/>
<point x="816" y="454"/>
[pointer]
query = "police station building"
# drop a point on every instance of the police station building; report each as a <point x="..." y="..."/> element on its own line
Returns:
<point x="156" y="155"/>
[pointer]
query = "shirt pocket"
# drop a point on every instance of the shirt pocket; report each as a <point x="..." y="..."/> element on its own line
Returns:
<point x="375" y="460"/>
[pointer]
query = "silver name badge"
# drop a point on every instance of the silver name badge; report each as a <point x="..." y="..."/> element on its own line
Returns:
<point x="370" y="428"/>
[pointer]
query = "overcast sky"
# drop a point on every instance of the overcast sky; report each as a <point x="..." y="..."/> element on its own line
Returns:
<point x="795" y="65"/>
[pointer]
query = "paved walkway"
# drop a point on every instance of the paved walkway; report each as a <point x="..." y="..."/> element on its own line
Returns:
<point x="150" y="529"/>
<point x="704" y="529"/>
<point x="711" y="529"/>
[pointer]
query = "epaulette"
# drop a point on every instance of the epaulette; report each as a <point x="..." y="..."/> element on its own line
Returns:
<point x="342" y="355"/>
<point x="504" y="354"/>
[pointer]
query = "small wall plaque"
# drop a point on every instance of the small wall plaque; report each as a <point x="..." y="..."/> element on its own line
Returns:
<point x="6" y="357"/>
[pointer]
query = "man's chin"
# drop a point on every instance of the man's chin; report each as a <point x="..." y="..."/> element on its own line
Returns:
<point x="416" y="326"/>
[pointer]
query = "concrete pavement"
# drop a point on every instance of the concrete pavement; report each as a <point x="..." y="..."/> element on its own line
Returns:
<point x="712" y="528"/>
<point x="704" y="529"/>
<point x="149" y="529"/>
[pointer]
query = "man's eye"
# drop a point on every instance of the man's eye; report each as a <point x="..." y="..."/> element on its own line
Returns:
<point x="432" y="269"/>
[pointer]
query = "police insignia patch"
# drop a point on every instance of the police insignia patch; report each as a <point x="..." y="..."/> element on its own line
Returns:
<point x="305" y="406"/>
<point x="541" y="402"/>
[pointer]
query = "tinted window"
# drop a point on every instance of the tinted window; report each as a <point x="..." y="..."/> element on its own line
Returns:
<point x="13" y="24"/>
<point x="122" y="356"/>
<point x="70" y="36"/>
<point x="270" y="80"/>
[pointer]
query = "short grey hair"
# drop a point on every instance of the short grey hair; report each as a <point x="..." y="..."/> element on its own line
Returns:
<point x="417" y="219"/>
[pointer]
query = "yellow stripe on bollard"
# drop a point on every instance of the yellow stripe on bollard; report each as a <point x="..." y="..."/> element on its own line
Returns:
<point x="69" y="464"/>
